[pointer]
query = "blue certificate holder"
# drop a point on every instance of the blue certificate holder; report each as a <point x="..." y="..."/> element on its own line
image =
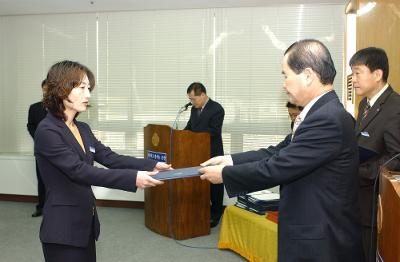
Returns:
<point x="178" y="173"/>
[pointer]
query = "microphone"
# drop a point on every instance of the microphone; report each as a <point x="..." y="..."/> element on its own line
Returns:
<point x="180" y="111"/>
<point x="187" y="105"/>
<point x="390" y="160"/>
<point x="371" y="253"/>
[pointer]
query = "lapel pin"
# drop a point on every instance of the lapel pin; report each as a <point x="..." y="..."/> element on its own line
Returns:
<point x="91" y="149"/>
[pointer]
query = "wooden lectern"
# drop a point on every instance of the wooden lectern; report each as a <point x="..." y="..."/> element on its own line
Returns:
<point x="389" y="217"/>
<point x="179" y="208"/>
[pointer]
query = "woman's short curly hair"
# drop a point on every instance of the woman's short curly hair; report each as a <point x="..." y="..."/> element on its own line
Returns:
<point x="61" y="79"/>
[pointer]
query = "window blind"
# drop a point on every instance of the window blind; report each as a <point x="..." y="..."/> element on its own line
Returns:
<point x="250" y="47"/>
<point x="144" y="61"/>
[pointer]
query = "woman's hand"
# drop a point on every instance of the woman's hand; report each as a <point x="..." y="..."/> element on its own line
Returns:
<point x="144" y="179"/>
<point x="162" y="166"/>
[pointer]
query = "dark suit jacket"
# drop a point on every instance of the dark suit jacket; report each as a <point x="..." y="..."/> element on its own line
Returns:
<point x="36" y="114"/>
<point x="210" y="121"/>
<point x="319" y="217"/>
<point x="68" y="174"/>
<point x="380" y="132"/>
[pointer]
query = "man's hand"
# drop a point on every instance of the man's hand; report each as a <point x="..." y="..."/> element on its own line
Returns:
<point x="212" y="173"/>
<point x="144" y="179"/>
<point x="219" y="160"/>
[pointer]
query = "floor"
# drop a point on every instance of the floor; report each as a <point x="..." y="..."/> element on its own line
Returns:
<point x="123" y="238"/>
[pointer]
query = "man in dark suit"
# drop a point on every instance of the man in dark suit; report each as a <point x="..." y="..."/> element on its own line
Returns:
<point x="207" y="116"/>
<point x="36" y="114"/>
<point x="293" y="111"/>
<point x="377" y="128"/>
<point x="319" y="217"/>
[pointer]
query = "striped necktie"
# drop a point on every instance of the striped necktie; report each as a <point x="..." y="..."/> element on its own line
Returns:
<point x="296" y="124"/>
<point x="366" y="109"/>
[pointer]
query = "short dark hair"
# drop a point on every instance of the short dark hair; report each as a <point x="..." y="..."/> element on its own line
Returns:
<point x="374" y="58"/>
<point x="290" y="105"/>
<point x="61" y="79"/>
<point x="197" y="87"/>
<point x="311" y="53"/>
<point x="43" y="83"/>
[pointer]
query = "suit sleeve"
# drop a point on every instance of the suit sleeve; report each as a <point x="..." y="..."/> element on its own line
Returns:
<point x="263" y="153"/>
<point x="108" y="158"/>
<point x="31" y="122"/>
<point x="50" y="145"/>
<point x="392" y="141"/>
<point x="216" y="121"/>
<point x="189" y="123"/>
<point x="391" y="147"/>
<point x="316" y="143"/>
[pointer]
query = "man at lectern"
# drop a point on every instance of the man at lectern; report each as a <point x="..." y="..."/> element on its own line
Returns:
<point x="207" y="116"/>
<point x="377" y="128"/>
<point x="319" y="216"/>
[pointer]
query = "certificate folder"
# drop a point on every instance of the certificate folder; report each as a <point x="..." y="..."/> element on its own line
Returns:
<point x="178" y="173"/>
<point x="365" y="154"/>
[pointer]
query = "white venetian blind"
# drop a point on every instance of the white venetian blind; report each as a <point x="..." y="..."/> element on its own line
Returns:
<point x="251" y="43"/>
<point x="145" y="60"/>
<point x="29" y="46"/>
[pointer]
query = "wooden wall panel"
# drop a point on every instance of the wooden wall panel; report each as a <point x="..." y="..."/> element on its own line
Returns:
<point x="381" y="28"/>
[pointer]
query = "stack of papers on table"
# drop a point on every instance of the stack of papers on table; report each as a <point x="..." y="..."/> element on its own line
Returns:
<point x="259" y="202"/>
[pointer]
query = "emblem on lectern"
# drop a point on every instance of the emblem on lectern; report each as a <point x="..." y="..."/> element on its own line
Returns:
<point x="155" y="139"/>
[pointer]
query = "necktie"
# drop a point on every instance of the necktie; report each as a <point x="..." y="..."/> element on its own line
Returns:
<point x="198" y="112"/>
<point x="296" y="124"/>
<point x="366" y="109"/>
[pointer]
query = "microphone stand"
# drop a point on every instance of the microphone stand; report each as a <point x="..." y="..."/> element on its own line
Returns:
<point x="180" y="111"/>
<point x="175" y="124"/>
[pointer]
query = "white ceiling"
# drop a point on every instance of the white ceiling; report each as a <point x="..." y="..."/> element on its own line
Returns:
<point x="20" y="7"/>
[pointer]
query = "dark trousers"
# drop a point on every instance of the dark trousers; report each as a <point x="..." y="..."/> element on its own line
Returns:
<point x="41" y="190"/>
<point x="217" y="199"/>
<point x="369" y="253"/>
<point x="66" y="253"/>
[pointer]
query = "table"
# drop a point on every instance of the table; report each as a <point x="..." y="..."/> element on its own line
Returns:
<point x="252" y="236"/>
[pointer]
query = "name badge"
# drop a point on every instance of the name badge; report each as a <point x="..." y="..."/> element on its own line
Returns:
<point x="365" y="133"/>
<point x="158" y="156"/>
<point x="91" y="149"/>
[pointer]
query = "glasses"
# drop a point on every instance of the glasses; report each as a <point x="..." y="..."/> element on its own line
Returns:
<point x="193" y="98"/>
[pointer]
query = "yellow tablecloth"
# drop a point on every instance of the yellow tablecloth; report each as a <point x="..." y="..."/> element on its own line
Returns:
<point x="252" y="236"/>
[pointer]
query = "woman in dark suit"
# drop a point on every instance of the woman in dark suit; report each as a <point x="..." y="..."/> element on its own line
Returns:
<point x="65" y="150"/>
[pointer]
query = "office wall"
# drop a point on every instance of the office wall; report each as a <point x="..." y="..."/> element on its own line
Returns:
<point x="381" y="28"/>
<point x="145" y="60"/>
<point x="18" y="177"/>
